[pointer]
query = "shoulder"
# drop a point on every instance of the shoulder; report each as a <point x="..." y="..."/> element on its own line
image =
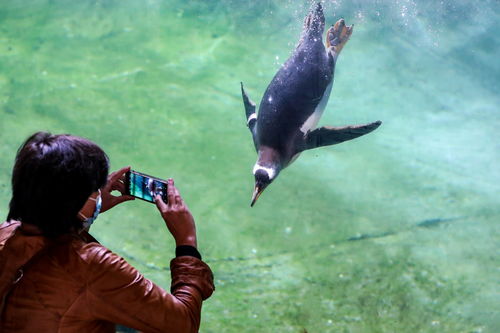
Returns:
<point x="91" y="253"/>
<point x="82" y="259"/>
<point x="96" y="256"/>
<point x="104" y="267"/>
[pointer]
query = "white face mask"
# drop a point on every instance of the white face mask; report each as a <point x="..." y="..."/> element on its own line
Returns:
<point x="87" y="221"/>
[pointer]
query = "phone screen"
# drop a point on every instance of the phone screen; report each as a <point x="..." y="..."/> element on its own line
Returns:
<point x="146" y="187"/>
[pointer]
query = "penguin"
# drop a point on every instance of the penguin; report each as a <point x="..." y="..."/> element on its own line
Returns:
<point x="295" y="100"/>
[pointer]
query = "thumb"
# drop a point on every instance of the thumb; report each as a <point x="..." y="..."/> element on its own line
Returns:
<point x="162" y="207"/>
<point x="123" y="198"/>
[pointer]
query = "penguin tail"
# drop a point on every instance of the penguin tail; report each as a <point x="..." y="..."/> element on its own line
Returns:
<point x="314" y="23"/>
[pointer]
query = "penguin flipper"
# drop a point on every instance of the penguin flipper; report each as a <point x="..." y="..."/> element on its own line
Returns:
<point x="251" y="115"/>
<point x="326" y="136"/>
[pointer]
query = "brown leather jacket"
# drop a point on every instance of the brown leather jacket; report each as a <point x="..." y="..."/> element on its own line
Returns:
<point x="75" y="284"/>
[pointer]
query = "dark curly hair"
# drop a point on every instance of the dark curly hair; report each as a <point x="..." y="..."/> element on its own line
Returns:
<point x="53" y="177"/>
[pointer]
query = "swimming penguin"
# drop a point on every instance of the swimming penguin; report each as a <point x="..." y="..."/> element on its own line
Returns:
<point x="294" y="102"/>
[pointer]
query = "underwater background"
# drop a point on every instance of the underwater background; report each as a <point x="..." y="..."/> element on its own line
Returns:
<point x="396" y="231"/>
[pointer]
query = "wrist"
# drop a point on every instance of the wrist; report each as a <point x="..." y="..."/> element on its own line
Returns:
<point x="189" y="241"/>
<point x="187" y="250"/>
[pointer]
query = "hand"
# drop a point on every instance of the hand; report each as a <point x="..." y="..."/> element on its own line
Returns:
<point x="116" y="182"/>
<point x="176" y="215"/>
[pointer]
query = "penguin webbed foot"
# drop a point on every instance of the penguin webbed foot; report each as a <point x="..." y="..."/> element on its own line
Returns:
<point x="326" y="136"/>
<point x="338" y="35"/>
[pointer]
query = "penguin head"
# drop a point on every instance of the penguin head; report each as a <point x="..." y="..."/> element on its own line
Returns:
<point x="263" y="177"/>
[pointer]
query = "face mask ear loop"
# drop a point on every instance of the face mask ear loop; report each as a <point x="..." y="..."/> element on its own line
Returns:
<point x="87" y="221"/>
<point x="82" y="216"/>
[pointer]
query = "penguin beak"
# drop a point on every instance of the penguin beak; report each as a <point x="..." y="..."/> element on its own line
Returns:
<point x="256" y="194"/>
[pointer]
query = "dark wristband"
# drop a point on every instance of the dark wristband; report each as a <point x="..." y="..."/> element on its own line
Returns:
<point x="187" y="250"/>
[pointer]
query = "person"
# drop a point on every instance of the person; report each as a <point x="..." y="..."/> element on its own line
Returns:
<point x="55" y="277"/>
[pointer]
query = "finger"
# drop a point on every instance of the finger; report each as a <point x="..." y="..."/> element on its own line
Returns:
<point x="178" y="200"/>
<point x="177" y="195"/>
<point x="175" y="190"/>
<point x="162" y="207"/>
<point x="114" y="177"/>
<point x="171" y="191"/>
<point x="120" y="187"/>
<point x="117" y="175"/>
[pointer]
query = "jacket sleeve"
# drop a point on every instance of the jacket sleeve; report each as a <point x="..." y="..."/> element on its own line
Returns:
<point x="118" y="293"/>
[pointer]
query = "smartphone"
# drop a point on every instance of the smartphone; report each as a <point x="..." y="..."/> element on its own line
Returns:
<point x="145" y="187"/>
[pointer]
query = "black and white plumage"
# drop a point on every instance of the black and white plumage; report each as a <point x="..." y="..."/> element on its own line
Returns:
<point x="295" y="100"/>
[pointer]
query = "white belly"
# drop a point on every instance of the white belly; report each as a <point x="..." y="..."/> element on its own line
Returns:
<point x="313" y="119"/>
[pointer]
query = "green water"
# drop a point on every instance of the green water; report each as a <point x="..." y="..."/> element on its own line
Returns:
<point x="394" y="232"/>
